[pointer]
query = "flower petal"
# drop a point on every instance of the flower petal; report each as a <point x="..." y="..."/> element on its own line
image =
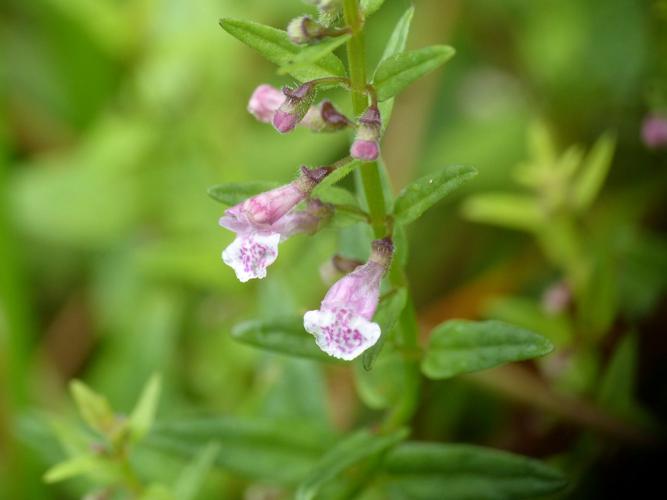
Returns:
<point x="341" y="333"/>
<point x="250" y="254"/>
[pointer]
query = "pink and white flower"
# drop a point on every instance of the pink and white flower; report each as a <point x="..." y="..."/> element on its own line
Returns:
<point x="343" y="326"/>
<point x="366" y="145"/>
<point x="264" y="102"/>
<point x="265" y="220"/>
<point x="294" y="107"/>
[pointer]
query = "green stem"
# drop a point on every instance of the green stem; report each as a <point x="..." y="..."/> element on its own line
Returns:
<point x="356" y="57"/>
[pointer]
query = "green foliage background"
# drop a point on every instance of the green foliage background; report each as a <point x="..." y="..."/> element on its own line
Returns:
<point x="116" y="116"/>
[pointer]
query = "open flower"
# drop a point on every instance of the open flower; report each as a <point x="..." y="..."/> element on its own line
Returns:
<point x="294" y="107"/>
<point x="342" y="326"/>
<point x="264" y="102"/>
<point x="366" y="145"/>
<point x="263" y="221"/>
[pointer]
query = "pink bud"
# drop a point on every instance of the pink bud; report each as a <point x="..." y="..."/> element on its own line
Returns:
<point x="342" y="326"/>
<point x="264" y="102"/>
<point x="366" y="145"/>
<point x="654" y="131"/>
<point x="365" y="150"/>
<point x="294" y="108"/>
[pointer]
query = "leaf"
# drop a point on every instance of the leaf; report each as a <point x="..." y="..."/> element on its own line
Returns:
<point x="399" y="71"/>
<point x="143" y="414"/>
<point x="506" y="210"/>
<point x="284" y="335"/>
<point x="399" y="37"/>
<point x="345" y="454"/>
<point x="233" y="193"/>
<point x="265" y="449"/>
<point x="388" y="312"/>
<point x="370" y="7"/>
<point x="465" y="472"/>
<point x="461" y="346"/>
<point x="190" y="480"/>
<point x="313" y="53"/>
<point x="596" y="166"/>
<point x="73" y="467"/>
<point x="341" y="172"/>
<point x="94" y="408"/>
<point x="274" y="44"/>
<point x="425" y="192"/>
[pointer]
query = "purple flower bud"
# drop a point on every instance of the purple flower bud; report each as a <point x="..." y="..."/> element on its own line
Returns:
<point x="342" y="326"/>
<point x="654" y="131"/>
<point x="366" y="145"/>
<point x="263" y="221"/>
<point x="304" y="29"/>
<point x="336" y="267"/>
<point x="325" y="118"/>
<point x="264" y="102"/>
<point x="294" y="108"/>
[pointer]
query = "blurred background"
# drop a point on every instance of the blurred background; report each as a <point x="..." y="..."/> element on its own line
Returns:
<point x="117" y="115"/>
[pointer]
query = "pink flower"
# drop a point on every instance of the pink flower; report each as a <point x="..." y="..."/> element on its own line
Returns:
<point x="342" y="326"/>
<point x="366" y="145"/>
<point x="264" y="102"/>
<point x="654" y="131"/>
<point x="265" y="220"/>
<point x="294" y="108"/>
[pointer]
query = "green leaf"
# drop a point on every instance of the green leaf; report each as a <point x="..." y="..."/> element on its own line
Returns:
<point x="399" y="37"/>
<point x="428" y="471"/>
<point x="350" y="451"/>
<point x="265" y="449"/>
<point x="341" y="172"/>
<point x="283" y="335"/>
<point x="370" y="7"/>
<point x="190" y="480"/>
<point x="71" y="468"/>
<point x="313" y="53"/>
<point x="425" y="192"/>
<point x="506" y="210"/>
<point x="399" y="71"/>
<point x="274" y="44"/>
<point x="143" y="414"/>
<point x="596" y="166"/>
<point x="387" y="314"/>
<point x="461" y="346"/>
<point x="233" y="193"/>
<point x="94" y="408"/>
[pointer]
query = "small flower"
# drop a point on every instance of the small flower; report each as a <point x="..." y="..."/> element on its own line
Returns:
<point x="264" y="102"/>
<point x="342" y="326"/>
<point x="294" y="108"/>
<point x="366" y="145"/>
<point x="654" y="131"/>
<point x="265" y="220"/>
<point x="304" y="29"/>
<point x="325" y="118"/>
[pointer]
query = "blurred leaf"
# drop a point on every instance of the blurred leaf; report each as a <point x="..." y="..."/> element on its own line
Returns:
<point x="396" y="73"/>
<point x="76" y="466"/>
<point x="143" y="414"/>
<point x="594" y="171"/>
<point x="283" y="335"/>
<point x="275" y="45"/>
<point x="463" y="472"/>
<point x="157" y="492"/>
<point x="370" y="7"/>
<point x="425" y="192"/>
<point x="542" y="149"/>
<point x="399" y="37"/>
<point x="191" y="479"/>
<point x="337" y="196"/>
<point x="237" y="192"/>
<point x="269" y="450"/>
<point x="94" y="408"/>
<point x="350" y="451"/>
<point x="387" y="314"/>
<point x="507" y="210"/>
<point x="599" y="301"/>
<point x="313" y="53"/>
<point x="461" y="346"/>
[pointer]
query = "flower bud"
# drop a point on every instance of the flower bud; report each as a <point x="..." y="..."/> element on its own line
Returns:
<point x="304" y="29"/>
<point x="336" y="267"/>
<point x="654" y="131"/>
<point x="294" y="108"/>
<point x="264" y="102"/>
<point x="325" y="118"/>
<point x="366" y="145"/>
<point x="342" y="326"/>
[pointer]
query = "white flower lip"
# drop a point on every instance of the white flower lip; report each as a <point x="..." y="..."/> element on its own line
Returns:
<point x="341" y="333"/>
<point x="250" y="254"/>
